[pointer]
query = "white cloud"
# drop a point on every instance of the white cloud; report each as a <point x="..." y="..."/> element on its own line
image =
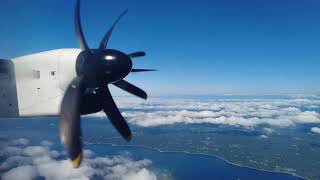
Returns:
<point x="232" y="112"/>
<point x="307" y="117"/>
<point x="20" y="173"/>
<point x="35" y="161"/>
<point x="315" y="130"/>
<point x="35" y="151"/>
<point x="268" y="130"/>
<point x="10" y="151"/>
<point x="20" y="141"/>
<point x="263" y="137"/>
<point x="46" y="143"/>
<point x="280" y="118"/>
<point x="143" y="174"/>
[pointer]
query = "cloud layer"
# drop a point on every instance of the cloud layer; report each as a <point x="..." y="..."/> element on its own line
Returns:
<point x="28" y="162"/>
<point x="315" y="130"/>
<point x="233" y="112"/>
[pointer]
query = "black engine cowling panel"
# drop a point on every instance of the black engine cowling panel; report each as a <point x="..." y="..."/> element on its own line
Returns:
<point x="8" y="91"/>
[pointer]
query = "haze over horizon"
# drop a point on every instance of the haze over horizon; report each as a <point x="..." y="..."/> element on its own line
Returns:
<point x="200" y="47"/>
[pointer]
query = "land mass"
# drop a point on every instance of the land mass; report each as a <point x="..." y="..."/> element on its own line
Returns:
<point x="291" y="150"/>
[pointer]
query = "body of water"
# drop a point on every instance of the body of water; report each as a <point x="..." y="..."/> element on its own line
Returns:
<point x="190" y="166"/>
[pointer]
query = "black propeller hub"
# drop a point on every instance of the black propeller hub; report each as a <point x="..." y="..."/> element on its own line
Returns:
<point x="103" y="66"/>
<point x="115" y="65"/>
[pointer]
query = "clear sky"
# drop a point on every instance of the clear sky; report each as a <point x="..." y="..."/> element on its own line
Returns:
<point x="199" y="46"/>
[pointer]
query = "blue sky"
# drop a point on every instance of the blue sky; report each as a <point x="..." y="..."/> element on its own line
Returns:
<point x="200" y="47"/>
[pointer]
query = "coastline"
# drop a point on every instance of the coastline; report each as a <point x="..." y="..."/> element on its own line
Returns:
<point x="202" y="154"/>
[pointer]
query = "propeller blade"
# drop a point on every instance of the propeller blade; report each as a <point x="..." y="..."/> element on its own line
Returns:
<point x="70" y="130"/>
<point x="137" y="54"/>
<point x="104" y="42"/>
<point x="142" y="70"/>
<point x="80" y="37"/>
<point x="122" y="84"/>
<point x="114" y="115"/>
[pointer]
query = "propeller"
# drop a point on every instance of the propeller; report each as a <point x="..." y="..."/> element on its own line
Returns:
<point x="137" y="54"/>
<point x="89" y="91"/>
<point x="142" y="70"/>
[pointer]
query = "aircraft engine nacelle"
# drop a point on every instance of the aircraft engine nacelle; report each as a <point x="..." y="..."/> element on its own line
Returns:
<point x="34" y="84"/>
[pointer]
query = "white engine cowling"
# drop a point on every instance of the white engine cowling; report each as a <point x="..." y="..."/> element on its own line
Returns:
<point x="41" y="80"/>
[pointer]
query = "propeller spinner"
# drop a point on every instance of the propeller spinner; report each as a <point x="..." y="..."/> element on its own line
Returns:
<point x="96" y="68"/>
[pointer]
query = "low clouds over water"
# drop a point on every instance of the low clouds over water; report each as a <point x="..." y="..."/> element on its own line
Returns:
<point x="23" y="162"/>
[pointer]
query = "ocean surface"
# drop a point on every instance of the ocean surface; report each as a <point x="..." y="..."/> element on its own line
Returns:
<point x="191" y="166"/>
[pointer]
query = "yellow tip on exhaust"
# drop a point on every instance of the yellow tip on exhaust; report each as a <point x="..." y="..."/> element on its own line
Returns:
<point x="76" y="162"/>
